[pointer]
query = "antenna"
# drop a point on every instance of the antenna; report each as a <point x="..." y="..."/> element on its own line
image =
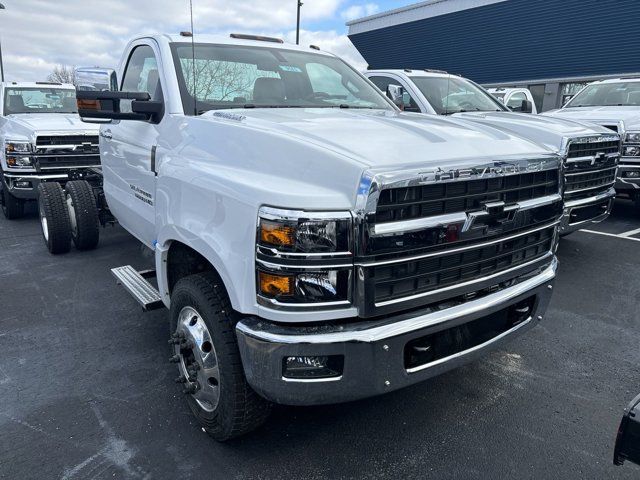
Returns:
<point x="193" y="62"/>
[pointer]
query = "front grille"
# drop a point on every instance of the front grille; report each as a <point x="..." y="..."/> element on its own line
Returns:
<point x="66" y="151"/>
<point x="419" y="276"/>
<point x="590" y="149"/>
<point x="439" y="199"/>
<point x="590" y="168"/>
<point x="434" y="240"/>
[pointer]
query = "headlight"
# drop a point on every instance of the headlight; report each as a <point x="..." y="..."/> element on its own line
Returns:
<point x="632" y="137"/>
<point x="303" y="258"/>
<point x="633" y="151"/>
<point x="17" y="147"/>
<point x="17" y="154"/>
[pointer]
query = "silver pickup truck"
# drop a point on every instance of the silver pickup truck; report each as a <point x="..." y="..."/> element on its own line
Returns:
<point x="42" y="138"/>
<point x="590" y="152"/>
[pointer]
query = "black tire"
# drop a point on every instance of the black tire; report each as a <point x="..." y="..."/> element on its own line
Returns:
<point x="83" y="214"/>
<point x="54" y="218"/>
<point x="239" y="409"/>
<point x="636" y="202"/>
<point x="12" y="207"/>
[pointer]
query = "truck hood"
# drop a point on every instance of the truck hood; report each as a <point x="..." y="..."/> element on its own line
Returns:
<point x="376" y="138"/>
<point x="548" y="131"/>
<point x="28" y="125"/>
<point x="601" y="115"/>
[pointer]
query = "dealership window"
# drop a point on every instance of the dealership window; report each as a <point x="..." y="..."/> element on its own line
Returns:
<point x="537" y="92"/>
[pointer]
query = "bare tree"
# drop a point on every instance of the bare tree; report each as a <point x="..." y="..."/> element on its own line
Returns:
<point x="62" y="74"/>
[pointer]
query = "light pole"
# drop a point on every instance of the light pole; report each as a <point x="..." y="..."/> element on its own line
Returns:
<point x="1" y="65"/>
<point x="297" y="23"/>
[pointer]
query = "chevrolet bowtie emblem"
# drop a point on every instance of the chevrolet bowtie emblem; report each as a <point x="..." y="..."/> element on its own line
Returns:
<point x="497" y="212"/>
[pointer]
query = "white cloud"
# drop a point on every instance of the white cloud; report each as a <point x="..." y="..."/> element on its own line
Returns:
<point x="359" y="11"/>
<point x="38" y="34"/>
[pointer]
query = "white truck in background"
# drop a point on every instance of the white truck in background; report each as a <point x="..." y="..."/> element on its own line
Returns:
<point x="514" y="98"/>
<point x="313" y="243"/>
<point x="590" y="152"/>
<point x="42" y="140"/>
<point x="615" y="105"/>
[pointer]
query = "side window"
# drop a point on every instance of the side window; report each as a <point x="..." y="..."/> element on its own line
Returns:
<point x="408" y="103"/>
<point x="381" y="82"/>
<point x="515" y="101"/>
<point x="141" y="75"/>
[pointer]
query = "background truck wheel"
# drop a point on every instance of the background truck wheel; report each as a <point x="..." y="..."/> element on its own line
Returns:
<point x="206" y="351"/>
<point x="12" y="207"/>
<point x="54" y="217"/>
<point x="83" y="214"/>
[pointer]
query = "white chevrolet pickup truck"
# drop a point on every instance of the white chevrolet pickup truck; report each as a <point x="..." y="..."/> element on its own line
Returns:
<point x="590" y="152"/>
<point x="42" y="140"/>
<point x="614" y="104"/>
<point x="313" y="243"/>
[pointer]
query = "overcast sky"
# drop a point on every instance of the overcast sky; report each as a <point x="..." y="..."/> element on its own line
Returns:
<point x="38" y="34"/>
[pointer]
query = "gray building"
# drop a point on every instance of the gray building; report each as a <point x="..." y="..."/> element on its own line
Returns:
<point x="552" y="47"/>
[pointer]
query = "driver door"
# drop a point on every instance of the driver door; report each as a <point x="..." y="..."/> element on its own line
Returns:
<point x="129" y="147"/>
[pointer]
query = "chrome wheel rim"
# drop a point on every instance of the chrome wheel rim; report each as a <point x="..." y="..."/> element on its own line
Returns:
<point x="72" y="216"/>
<point x="198" y="364"/>
<point x="45" y="225"/>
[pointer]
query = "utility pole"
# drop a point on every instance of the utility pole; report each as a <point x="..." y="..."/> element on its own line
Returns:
<point x="1" y="65"/>
<point x="297" y="23"/>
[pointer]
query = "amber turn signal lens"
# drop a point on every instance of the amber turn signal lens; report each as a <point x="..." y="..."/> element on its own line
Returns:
<point x="276" y="234"/>
<point x="89" y="104"/>
<point x="275" y="285"/>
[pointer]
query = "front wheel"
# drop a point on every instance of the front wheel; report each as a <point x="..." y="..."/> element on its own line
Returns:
<point x="206" y="351"/>
<point x="54" y="217"/>
<point x="12" y="207"/>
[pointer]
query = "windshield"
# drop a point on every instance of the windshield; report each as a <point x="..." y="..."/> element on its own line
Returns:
<point x="449" y="95"/>
<point x="608" y="94"/>
<point x="39" y="100"/>
<point x="229" y="76"/>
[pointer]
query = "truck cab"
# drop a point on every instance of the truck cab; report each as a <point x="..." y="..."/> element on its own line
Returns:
<point x="514" y="99"/>
<point x="590" y="152"/>
<point x="42" y="138"/>
<point x="615" y="105"/>
<point x="313" y="243"/>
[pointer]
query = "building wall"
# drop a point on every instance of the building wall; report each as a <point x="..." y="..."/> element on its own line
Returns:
<point x="515" y="40"/>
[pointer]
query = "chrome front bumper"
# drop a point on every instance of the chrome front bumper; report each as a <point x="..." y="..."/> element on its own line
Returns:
<point x="581" y="212"/>
<point x="625" y="185"/>
<point x="373" y="350"/>
<point x="30" y="192"/>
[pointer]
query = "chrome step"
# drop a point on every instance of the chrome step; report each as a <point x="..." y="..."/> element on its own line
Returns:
<point x="139" y="288"/>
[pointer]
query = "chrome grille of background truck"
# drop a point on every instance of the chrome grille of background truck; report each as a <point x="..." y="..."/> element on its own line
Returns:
<point x="435" y="236"/>
<point x="591" y="166"/>
<point x="66" y="151"/>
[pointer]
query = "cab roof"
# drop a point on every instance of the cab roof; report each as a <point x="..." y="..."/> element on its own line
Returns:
<point x="246" y="40"/>
<point x="415" y="73"/>
<point x="63" y="86"/>
<point x="619" y="80"/>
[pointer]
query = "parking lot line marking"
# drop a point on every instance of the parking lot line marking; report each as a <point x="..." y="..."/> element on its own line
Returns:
<point x="611" y="235"/>
<point x="630" y="233"/>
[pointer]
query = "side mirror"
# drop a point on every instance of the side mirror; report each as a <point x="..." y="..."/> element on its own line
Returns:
<point x="396" y="94"/>
<point x="628" y="439"/>
<point x="102" y="107"/>
<point x="527" y="106"/>
<point x="96" y="79"/>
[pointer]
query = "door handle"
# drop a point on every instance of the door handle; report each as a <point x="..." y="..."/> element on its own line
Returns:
<point x="106" y="134"/>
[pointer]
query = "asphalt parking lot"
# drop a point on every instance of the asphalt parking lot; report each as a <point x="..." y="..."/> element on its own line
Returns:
<point x="87" y="391"/>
